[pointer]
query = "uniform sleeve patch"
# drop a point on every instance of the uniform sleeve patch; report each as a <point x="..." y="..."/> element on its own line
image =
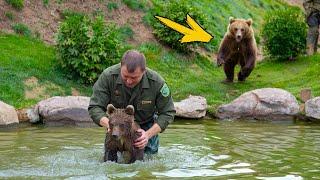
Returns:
<point x="165" y="90"/>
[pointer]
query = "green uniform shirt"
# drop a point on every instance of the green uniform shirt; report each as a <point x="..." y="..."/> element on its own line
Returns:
<point x="151" y="96"/>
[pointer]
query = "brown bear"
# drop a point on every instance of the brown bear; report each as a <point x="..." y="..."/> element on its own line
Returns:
<point x="122" y="135"/>
<point x="238" y="47"/>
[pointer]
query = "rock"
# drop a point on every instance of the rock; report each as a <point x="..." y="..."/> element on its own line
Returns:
<point x="264" y="104"/>
<point x="25" y="115"/>
<point x="8" y="115"/>
<point x="312" y="108"/>
<point x="192" y="107"/>
<point x="57" y="111"/>
<point x="305" y="94"/>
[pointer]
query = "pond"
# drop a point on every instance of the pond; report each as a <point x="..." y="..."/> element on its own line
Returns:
<point x="194" y="149"/>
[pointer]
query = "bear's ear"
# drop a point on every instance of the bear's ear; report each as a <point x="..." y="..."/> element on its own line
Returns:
<point x="231" y="20"/>
<point x="129" y="110"/>
<point x="249" y="21"/>
<point x="110" y="109"/>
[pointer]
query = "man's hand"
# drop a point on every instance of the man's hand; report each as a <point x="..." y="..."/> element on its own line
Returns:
<point x="142" y="141"/>
<point x="104" y="121"/>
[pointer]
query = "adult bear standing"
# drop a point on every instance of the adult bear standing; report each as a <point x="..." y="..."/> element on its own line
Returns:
<point x="238" y="47"/>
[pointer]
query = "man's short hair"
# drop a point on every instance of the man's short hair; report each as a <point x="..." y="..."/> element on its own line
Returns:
<point x="133" y="59"/>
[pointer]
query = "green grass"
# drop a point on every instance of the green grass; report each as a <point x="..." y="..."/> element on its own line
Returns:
<point x="136" y="4"/>
<point x="217" y="14"/>
<point x="112" y="5"/>
<point x="9" y="15"/>
<point x="23" y="58"/>
<point x="199" y="76"/>
<point x="18" y="4"/>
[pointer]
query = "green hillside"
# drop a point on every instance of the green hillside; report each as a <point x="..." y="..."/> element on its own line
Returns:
<point x="29" y="71"/>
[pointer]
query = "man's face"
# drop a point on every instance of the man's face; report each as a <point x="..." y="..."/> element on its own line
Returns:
<point x="131" y="79"/>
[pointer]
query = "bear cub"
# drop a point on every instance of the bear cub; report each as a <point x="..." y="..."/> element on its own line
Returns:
<point x="238" y="47"/>
<point x="122" y="135"/>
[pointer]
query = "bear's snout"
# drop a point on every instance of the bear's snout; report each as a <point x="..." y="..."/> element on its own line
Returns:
<point x="115" y="136"/>
<point x="238" y="36"/>
<point x="115" y="133"/>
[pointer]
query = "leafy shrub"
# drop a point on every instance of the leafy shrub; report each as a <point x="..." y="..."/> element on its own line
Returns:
<point x="87" y="46"/>
<point x="284" y="33"/>
<point x="18" y="4"/>
<point x="45" y="3"/>
<point x="67" y="12"/>
<point x="126" y="32"/>
<point x="22" y="29"/>
<point x="9" y="15"/>
<point x="112" y="5"/>
<point x="136" y="4"/>
<point x="175" y="11"/>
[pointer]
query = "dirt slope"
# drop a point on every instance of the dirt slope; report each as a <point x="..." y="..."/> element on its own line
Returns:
<point x="44" y="20"/>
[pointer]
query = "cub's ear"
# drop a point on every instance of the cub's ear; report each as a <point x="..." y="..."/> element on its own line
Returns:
<point x="231" y="20"/>
<point x="129" y="110"/>
<point x="249" y="21"/>
<point x="110" y="109"/>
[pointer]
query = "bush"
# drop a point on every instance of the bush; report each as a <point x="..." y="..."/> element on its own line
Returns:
<point x="9" y="15"/>
<point x="284" y="33"/>
<point x="175" y="11"/>
<point x="136" y="4"/>
<point x="86" y="47"/>
<point x="18" y="4"/>
<point x="45" y="3"/>
<point x="22" y="29"/>
<point x="112" y="5"/>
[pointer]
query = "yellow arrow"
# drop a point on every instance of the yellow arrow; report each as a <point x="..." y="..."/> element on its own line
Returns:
<point x="196" y="33"/>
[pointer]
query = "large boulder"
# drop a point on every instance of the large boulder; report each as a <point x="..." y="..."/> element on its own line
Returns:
<point x="312" y="108"/>
<point x="8" y="115"/>
<point x="193" y="107"/>
<point x="58" y="111"/>
<point x="264" y="104"/>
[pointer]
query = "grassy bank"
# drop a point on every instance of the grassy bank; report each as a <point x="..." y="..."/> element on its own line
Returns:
<point x="198" y="76"/>
<point x="216" y="14"/>
<point x="28" y="74"/>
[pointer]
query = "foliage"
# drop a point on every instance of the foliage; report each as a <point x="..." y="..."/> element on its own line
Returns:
<point x="126" y="32"/>
<point x="284" y="32"/>
<point x="136" y="4"/>
<point x="67" y="12"/>
<point x="9" y="15"/>
<point x="24" y="58"/>
<point x="198" y="76"/>
<point x="216" y="15"/>
<point x="175" y="11"/>
<point x="86" y="47"/>
<point x="45" y="3"/>
<point x="21" y="29"/>
<point x="18" y="4"/>
<point x="112" y="5"/>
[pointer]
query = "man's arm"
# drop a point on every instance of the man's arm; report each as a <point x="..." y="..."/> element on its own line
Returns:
<point x="165" y="107"/>
<point x="99" y="100"/>
<point x="142" y="141"/>
<point x="166" y="112"/>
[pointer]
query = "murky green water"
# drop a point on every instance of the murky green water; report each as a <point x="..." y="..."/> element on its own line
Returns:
<point x="189" y="149"/>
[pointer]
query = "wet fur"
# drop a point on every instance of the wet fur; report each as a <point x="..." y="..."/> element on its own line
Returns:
<point x="125" y="144"/>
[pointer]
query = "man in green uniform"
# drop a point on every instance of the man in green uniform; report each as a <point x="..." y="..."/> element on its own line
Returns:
<point x="312" y="8"/>
<point x="131" y="83"/>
